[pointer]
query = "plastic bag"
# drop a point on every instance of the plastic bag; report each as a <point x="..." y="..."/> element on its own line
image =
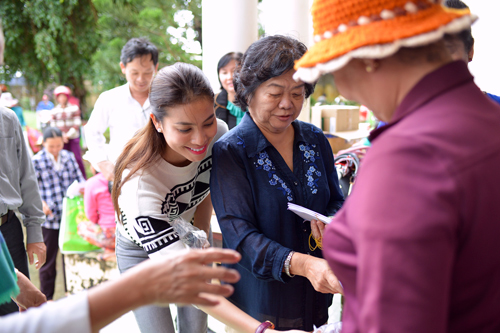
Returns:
<point x="190" y="235"/>
<point x="329" y="328"/>
<point x="69" y="241"/>
<point x="34" y="139"/>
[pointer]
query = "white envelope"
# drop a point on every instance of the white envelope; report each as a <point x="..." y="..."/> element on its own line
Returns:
<point x="308" y="214"/>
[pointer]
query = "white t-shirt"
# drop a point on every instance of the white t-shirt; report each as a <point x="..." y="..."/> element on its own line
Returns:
<point x="149" y="200"/>
<point x="117" y="110"/>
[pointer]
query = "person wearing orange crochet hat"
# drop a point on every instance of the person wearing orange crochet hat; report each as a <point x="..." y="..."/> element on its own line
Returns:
<point x="416" y="243"/>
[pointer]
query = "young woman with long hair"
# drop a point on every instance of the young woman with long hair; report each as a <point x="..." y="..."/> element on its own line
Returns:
<point x="163" y="174"/>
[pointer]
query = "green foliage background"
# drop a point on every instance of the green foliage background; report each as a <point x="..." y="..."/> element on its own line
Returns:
<point x="70" y="41"/>
<point x="120" y="20"/>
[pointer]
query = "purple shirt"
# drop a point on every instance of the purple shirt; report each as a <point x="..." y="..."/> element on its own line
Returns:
<point x="417" y="244"/>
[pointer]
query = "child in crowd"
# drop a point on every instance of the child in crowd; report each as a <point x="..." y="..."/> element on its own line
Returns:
<point x="67" y="117"/>
<point x="101" y="227"/>
<point x="56" y="169"/>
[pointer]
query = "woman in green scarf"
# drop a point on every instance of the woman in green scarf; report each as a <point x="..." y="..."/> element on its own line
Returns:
<point x="224" y="107"/>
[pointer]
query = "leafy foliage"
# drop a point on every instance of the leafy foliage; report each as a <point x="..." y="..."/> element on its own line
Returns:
<point x="49" y="41"/>
<point x="69" y="41"/>
<point x="168" y="24"/>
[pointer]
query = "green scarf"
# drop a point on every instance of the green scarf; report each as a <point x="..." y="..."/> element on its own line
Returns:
<point x="235" y="111"/>
<point x="8" y="280"/>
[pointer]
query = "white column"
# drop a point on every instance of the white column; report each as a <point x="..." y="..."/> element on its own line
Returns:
<point x="228" y="26"/>
<point x="290" y="18"/>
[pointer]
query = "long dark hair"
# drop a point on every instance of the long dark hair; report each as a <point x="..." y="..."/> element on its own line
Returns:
<point x="174" y="85"/>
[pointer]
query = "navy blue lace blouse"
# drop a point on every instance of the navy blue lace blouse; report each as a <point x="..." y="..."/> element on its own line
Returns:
<point x="250" y="186"/>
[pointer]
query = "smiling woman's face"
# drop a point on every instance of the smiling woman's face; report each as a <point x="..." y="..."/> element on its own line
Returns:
<point x="277" y="102"/>
<point x="188" y="130"/>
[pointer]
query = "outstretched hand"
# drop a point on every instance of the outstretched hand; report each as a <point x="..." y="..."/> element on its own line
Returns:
<point x="321" y="276"/>
<point x="181" y="277"/>
<point x="29" y="295"/>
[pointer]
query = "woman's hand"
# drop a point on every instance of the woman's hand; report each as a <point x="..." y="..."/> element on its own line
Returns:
<point x="317" y="271"/>
<point x="29" y="295"/>
<point x="317" y="229"/>
<point x="322" y="277"/>
<point x="46" y="209"/>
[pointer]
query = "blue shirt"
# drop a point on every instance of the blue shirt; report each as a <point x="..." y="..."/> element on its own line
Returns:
<point x="251" y="186"/>
<point x="42" y="105"/>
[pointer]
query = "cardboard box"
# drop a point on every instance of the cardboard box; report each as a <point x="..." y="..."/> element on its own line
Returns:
<point x="336" y="118"/>
<point x="337" y="143"/>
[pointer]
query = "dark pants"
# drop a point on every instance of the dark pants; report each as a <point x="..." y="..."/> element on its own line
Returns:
<point x="48" y="271"/>
<point x="73" y="146"/>
<point x="13" y="234"/>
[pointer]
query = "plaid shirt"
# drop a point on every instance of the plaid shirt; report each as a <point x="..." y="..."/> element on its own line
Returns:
<point x="66" y="118"/>
<point x="53" y="184"/>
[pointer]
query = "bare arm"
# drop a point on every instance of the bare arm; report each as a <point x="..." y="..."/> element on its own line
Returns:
<point x="317" y="271"/>
<point x="203" y="215"/>
<point x="29" y="295"/>
<point x="231" y="315"/>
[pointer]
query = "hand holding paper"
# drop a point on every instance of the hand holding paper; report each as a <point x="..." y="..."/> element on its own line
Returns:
<point x="308" y="214"/>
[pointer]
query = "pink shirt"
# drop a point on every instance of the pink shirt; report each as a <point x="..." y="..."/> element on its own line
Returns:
<point x="98" y="204"/>
<point x="417" y="244"/>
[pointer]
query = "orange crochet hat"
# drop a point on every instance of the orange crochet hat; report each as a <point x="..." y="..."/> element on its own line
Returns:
<point x="347" y="29"/>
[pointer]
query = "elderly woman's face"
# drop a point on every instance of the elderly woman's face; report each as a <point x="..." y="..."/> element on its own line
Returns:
<point x="277" y="103"/>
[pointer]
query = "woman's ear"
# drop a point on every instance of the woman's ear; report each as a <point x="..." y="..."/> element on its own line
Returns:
<point x="156" y="122"/>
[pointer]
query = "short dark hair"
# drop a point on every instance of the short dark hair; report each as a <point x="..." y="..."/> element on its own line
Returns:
<point x="226" y="59"/>
<point x="266" y="58"/>
<point x="465" y="36"/>
<point x="138" y="47"/>
<point x="51" y="132"/>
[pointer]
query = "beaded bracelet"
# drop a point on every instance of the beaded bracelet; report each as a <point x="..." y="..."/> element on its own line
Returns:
<point x="264" y="326"/>
<point x="288" y="264"/>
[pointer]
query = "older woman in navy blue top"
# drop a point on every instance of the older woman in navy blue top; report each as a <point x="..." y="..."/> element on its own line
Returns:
<point x="260" y="166"/>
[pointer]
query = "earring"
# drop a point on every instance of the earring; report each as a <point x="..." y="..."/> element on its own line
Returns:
<point x="369" y="69"/>
<point x="159" y="130"/>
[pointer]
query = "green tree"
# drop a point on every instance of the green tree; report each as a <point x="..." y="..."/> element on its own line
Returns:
<point x="50" y="41"/>
<point x="169" y="24"/>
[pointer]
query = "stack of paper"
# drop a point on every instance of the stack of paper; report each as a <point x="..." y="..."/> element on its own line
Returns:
<point x="308" y="214"/>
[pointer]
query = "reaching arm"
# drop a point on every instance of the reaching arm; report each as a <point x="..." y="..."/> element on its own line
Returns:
<point x="203" y="215"/>
<point x="29" y="295"/>
<point x="227" y="313"/>
<point x="177" y="278"/>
